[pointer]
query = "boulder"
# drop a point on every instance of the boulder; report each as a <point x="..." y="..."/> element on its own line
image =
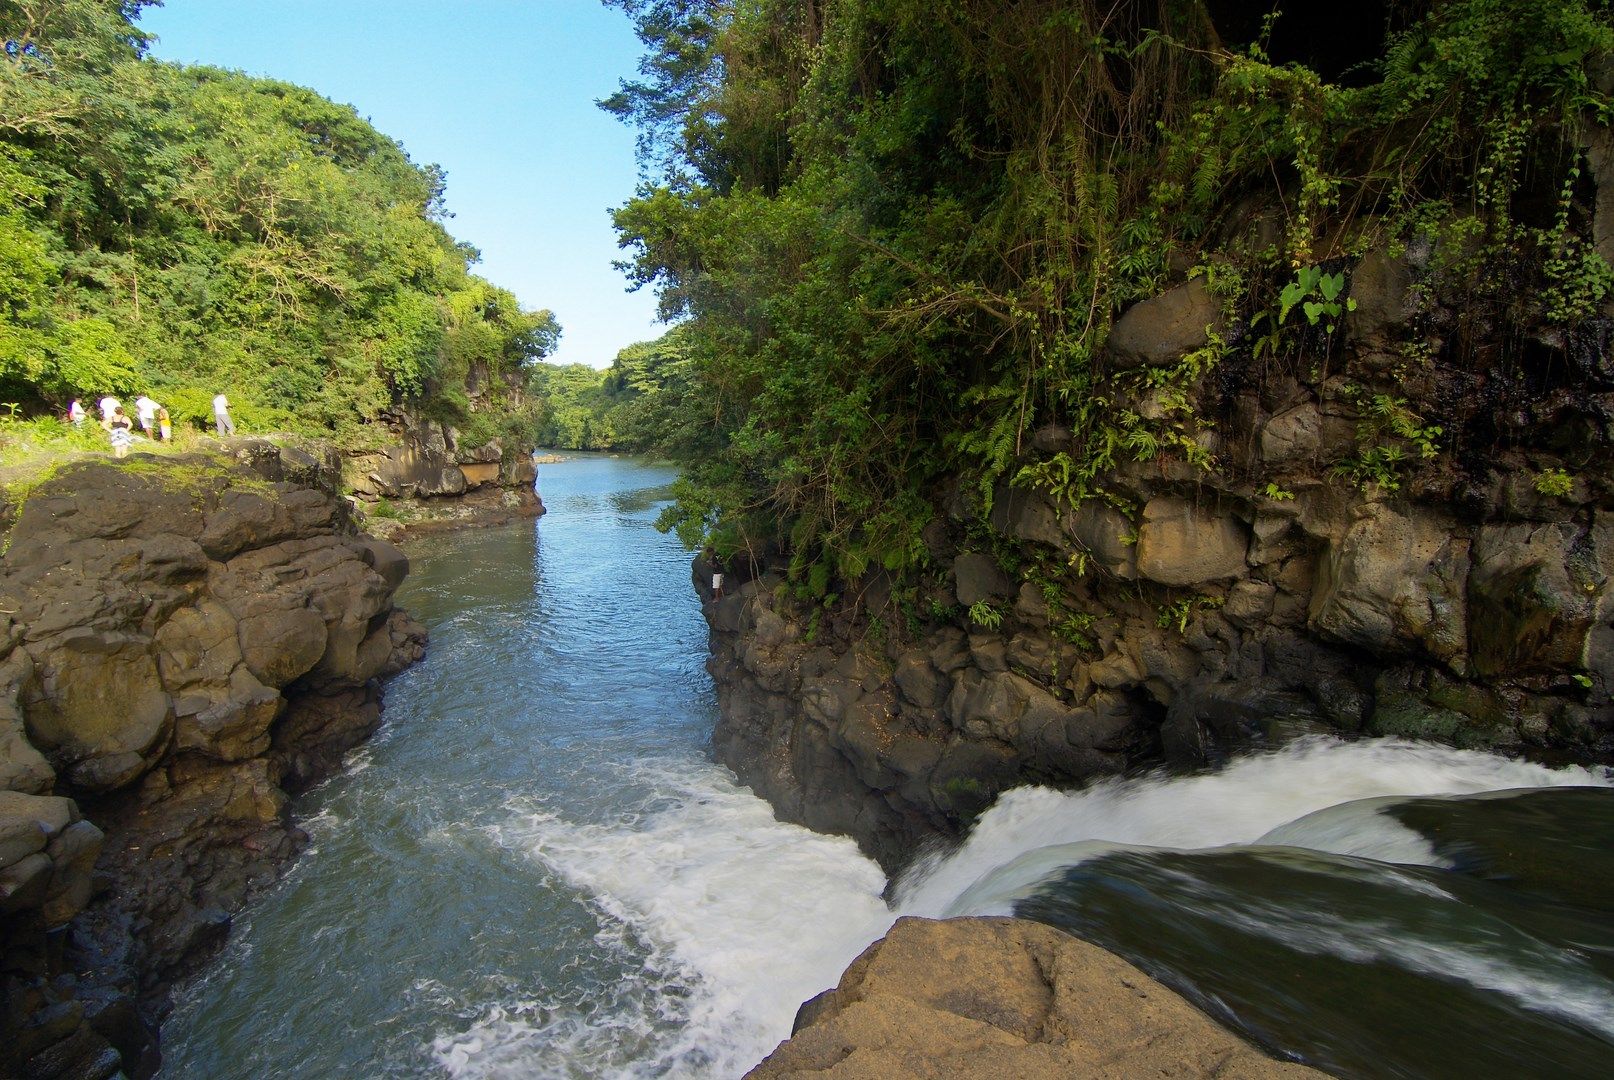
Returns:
<point x="1293" y="435"/>
<point x="1162" y="330"/>
<point x="1107" y="535"/>
<point x="979" y="579"/>
<point x="279" y="646"/>
<point x="1533" y="597"/>
<point x="1181" y="543"/>
<point x="1396" y="584"/>
<point x="101" y="712"/>
<point x="1006" y="998"/>
<point x="1386" y="303"/>
<point x="919" y="682"/>
<point x="480" y="473"/>
<point x="1026" y="515"/>
<point x="385" y="559"/>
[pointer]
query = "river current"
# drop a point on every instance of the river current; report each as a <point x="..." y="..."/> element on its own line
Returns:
<point x="534" y="870"/>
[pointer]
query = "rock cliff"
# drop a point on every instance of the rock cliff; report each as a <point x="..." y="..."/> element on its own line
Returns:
<point x="1009" y="998"/>
<point x="428" y="479"/>
<point x="1314" y="556"/>
<point x="184" y="643"/>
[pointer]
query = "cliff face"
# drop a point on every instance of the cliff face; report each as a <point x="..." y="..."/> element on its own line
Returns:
<point x="186" y="643"/>
<point x="1003" y="997"/>
<point x="442" y="482"/>
<point x="1318" y="575"/>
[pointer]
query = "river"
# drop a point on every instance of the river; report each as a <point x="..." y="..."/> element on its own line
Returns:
<point x="534" y="870"/>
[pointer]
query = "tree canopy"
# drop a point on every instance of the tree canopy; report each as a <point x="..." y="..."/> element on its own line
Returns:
<point x="899" y="231"/>
<point x="188" y="229"/>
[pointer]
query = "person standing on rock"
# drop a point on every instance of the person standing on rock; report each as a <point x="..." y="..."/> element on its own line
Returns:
<point x="146" y="410"/>
<point x="121" y="428"/>
<point x="221" y="415"/>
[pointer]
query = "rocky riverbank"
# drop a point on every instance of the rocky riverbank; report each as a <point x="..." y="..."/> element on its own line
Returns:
<point x="188" y="642"/>
<point x="428" y="479"/>
<point x="1005" y="997"/>
<point x="1275" y="585"/>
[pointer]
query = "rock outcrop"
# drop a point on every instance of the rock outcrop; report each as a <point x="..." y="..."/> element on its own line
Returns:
<point x="185" y="642"/>
<point x="1322" y="573"/>
<point x="446" y="482"/>
<point x="1005" y="998"/>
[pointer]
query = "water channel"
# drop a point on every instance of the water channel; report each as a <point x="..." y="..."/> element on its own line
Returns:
<point x="534" y="870"/>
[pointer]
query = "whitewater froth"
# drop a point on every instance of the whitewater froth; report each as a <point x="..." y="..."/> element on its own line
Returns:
<point x="736" y="918"/>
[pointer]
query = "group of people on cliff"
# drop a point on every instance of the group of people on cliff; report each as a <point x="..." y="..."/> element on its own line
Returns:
<point x="153" y="418"/>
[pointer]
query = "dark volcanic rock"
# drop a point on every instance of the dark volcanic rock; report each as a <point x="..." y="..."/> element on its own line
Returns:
<point x="1317" y="571"/>
<point x="190" y="640"/>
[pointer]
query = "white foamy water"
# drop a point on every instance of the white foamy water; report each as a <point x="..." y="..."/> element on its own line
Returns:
<point x="739" y="918"/>
<point x="744" y="917"/>
<point x="1026" y="835"/>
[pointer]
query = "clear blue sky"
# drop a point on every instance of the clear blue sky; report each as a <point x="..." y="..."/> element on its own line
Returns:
<point x="501" y="94"/>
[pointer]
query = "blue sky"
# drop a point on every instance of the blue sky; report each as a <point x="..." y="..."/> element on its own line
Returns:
<point x="501" y="94"/>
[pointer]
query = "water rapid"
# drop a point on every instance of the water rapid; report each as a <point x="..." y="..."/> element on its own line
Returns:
<point x="535" y="871"/>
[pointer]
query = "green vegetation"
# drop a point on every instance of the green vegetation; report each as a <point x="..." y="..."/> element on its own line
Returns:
<point x="898" y="233"/>
<point x="983" y="614"/>
<point x="1555" y="483"/>
<point x="186" y="230"/>
<point x="645" y="401"/>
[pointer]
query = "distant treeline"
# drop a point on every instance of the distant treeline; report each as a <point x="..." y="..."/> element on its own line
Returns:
<point x="186" y="230"/>
<point x="645" y="402"/>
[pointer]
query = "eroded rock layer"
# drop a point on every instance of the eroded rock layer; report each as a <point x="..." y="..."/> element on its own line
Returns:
<point x="185" y="643"/>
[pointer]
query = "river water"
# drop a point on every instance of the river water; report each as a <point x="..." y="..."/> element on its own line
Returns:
<point x="533" y="870"/>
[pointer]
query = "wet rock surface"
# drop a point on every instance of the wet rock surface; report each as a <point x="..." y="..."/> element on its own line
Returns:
<point x="1005" y="997"/>
<point x="186" y="642"/>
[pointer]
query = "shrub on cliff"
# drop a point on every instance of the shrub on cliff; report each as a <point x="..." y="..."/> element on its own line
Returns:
<point x="901" y="234"/>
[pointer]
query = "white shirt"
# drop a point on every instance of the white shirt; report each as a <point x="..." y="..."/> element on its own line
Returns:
<point x="75" y="411"/>
<point x="109" y="405"/>
<point x="221" y="403"/>
<point x="146" y="409"/>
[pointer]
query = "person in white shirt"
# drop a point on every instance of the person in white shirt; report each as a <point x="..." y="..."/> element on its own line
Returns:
<point x="75" y="414"/>
<point x="221" y="416"/>
<point x="109" y="405"/>
<point x="146" y="409"/>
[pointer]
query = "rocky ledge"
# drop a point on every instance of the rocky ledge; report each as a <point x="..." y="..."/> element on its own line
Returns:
<point x="185" y="643"/>
<point x="430" y="479"/>
<point x="1005" y="997"/>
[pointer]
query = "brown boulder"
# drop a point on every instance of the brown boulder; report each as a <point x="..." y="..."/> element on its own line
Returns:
<point x="1162" y="330"/>
<point x="101" y="711"/>
<point x="1180" y="543"/>
<point x="1006" y="998"/>
<point x="1395" y="584"/>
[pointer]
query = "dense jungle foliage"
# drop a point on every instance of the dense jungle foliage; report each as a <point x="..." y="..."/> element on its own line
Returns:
<point x="897" y="232"/>
<point x="186" y="230"/>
